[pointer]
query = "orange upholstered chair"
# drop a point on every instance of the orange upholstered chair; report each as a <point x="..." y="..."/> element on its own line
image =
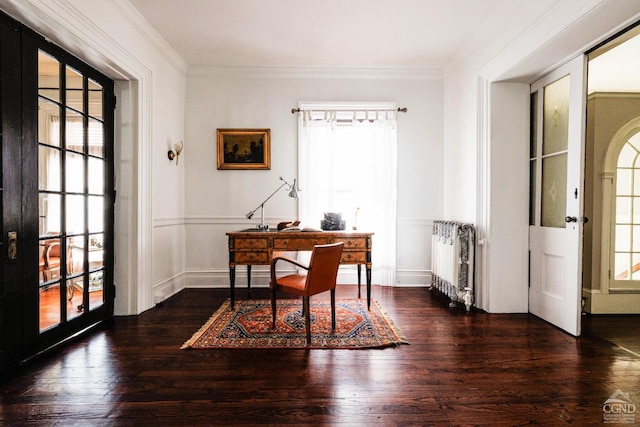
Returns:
<point x="320" y="277"/>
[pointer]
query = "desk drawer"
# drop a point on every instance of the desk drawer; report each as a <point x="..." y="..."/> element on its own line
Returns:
<point x="256" y="243"/>
<point x="251" y="257"/>
<point x="353" y="257"/>
<point x="357" y="243"/>
<point x="300" y="244"/>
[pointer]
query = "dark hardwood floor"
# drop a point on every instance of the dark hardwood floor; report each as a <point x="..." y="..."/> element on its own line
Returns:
<point x="459" y="369"/>
<point x="622" y="330"/>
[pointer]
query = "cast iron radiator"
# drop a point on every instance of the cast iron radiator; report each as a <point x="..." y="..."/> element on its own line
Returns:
<point x="452" y="261"/>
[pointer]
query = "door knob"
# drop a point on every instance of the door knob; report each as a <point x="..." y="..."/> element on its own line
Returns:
<point x="585" y="219"/>
<point x="570" y="219"/>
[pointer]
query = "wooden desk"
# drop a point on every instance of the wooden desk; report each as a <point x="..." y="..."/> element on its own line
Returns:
<point x="256" y="247"/>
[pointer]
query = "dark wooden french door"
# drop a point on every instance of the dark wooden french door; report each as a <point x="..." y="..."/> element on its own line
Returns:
<point x="56" y="187"/>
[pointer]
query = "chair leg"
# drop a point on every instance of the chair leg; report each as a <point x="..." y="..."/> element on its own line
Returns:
<point x="273" y="308"/>
<point x="307" y="317"/>
<point x="333" y="309"/>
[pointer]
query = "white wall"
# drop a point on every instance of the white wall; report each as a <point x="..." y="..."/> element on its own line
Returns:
<point x="217" y="200"/>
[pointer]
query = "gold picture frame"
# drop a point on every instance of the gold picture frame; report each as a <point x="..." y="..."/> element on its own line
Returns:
<point x="244" y="149"/>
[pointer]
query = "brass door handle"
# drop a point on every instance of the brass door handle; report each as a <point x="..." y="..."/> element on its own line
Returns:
<point x="13" y="244"/>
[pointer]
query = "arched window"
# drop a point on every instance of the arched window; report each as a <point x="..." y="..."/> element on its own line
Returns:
<point x="626" y="224"/>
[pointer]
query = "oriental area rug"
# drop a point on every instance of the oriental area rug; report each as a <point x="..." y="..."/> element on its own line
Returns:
<point x="249" y="326"/>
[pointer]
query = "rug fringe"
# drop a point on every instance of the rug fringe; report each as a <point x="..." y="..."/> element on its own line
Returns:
<point x="225" y="306"/>
<point x="392" y="325"/>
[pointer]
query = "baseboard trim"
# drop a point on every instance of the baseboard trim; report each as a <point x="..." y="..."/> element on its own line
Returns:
<point x="618" y="303"/>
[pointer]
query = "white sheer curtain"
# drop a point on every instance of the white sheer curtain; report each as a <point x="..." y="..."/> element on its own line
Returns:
<point x="348" y="164"/>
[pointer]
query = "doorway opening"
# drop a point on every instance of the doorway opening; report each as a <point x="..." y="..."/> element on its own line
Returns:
<point x="611" y="256"/>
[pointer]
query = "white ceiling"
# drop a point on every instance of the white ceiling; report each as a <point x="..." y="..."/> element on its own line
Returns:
<point x="380" y="34"/>
<point x="349" y="34"/>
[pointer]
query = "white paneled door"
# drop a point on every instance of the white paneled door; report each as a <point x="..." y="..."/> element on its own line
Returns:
<point x="556" y="195"/>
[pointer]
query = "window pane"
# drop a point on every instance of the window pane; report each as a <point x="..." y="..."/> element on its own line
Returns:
<point x="49" y="207"/>
<point x="622" y="266"/>
<point x="634" y="141"/>
<point x="74" y="299"/>
<point x="48" y="76"/>
<point x="95" y="99"/>
<point x="96" y="138"/>
<point x="74" y="136"/>
<point x="96" y="258"/>
<point x="96" y="285"/>
<point x="96" y="214"/>
<point x="623" y="238"/>
<point x="623" y="210"/>
<point x="74" y="173"/>
<point x="636" y="239"/>
<point x="623" y="182"/>
<point x="50" y="249"/>
<point x="48" y="168"/>
<point x="49" y="306"/>
<point x="636" y="182"/>
<point x="554" y="191"/>
<point x="627" y="156"/>
<point x="96" y="176"/>
<point x="636" y="210"/>
<point x="74" y="89"/>
<point x="48" y="122"/>
<point x="76" y="250"/>
<point x="556" y="117"/>
<point x="75" y="214"/>
<point x="635" y="266"/>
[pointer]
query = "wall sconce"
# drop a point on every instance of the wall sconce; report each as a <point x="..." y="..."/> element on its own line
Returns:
<point x="175" y="153"/>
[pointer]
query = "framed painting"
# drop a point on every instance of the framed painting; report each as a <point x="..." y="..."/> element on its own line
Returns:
<point x="244" y="148"/>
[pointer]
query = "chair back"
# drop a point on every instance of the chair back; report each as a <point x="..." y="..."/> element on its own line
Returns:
<point x="323" y="268"/>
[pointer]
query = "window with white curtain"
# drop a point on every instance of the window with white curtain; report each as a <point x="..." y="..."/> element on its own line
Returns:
<point x="348" y="165"/>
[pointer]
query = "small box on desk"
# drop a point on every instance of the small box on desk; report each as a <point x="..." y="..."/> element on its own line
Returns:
<point x="332" y="221"/>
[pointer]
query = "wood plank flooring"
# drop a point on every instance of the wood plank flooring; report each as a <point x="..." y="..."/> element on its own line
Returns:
<point x="460" y="369"/>
<point x="622" y="330"/>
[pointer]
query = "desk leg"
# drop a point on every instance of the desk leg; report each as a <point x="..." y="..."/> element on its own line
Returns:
<point x="368" y="287"/>
<point x="248" y="281"/>
<point x="359" y="276"/>
<point x="232" y="280"/>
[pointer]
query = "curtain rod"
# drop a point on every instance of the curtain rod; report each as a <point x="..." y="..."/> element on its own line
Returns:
<point x="399" y="110"/>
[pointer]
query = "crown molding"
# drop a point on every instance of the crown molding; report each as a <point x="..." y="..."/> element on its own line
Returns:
<point x="138" y="22"/>
<point x="315" y="73"/>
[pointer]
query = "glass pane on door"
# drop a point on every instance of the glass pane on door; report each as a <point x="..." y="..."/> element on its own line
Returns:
<point x="555" y="118"/>
<point x="48" y="77"/>
<point x="554" y="191"/>
<point x="555" y="140"/>
<point x="72" y="192"/>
